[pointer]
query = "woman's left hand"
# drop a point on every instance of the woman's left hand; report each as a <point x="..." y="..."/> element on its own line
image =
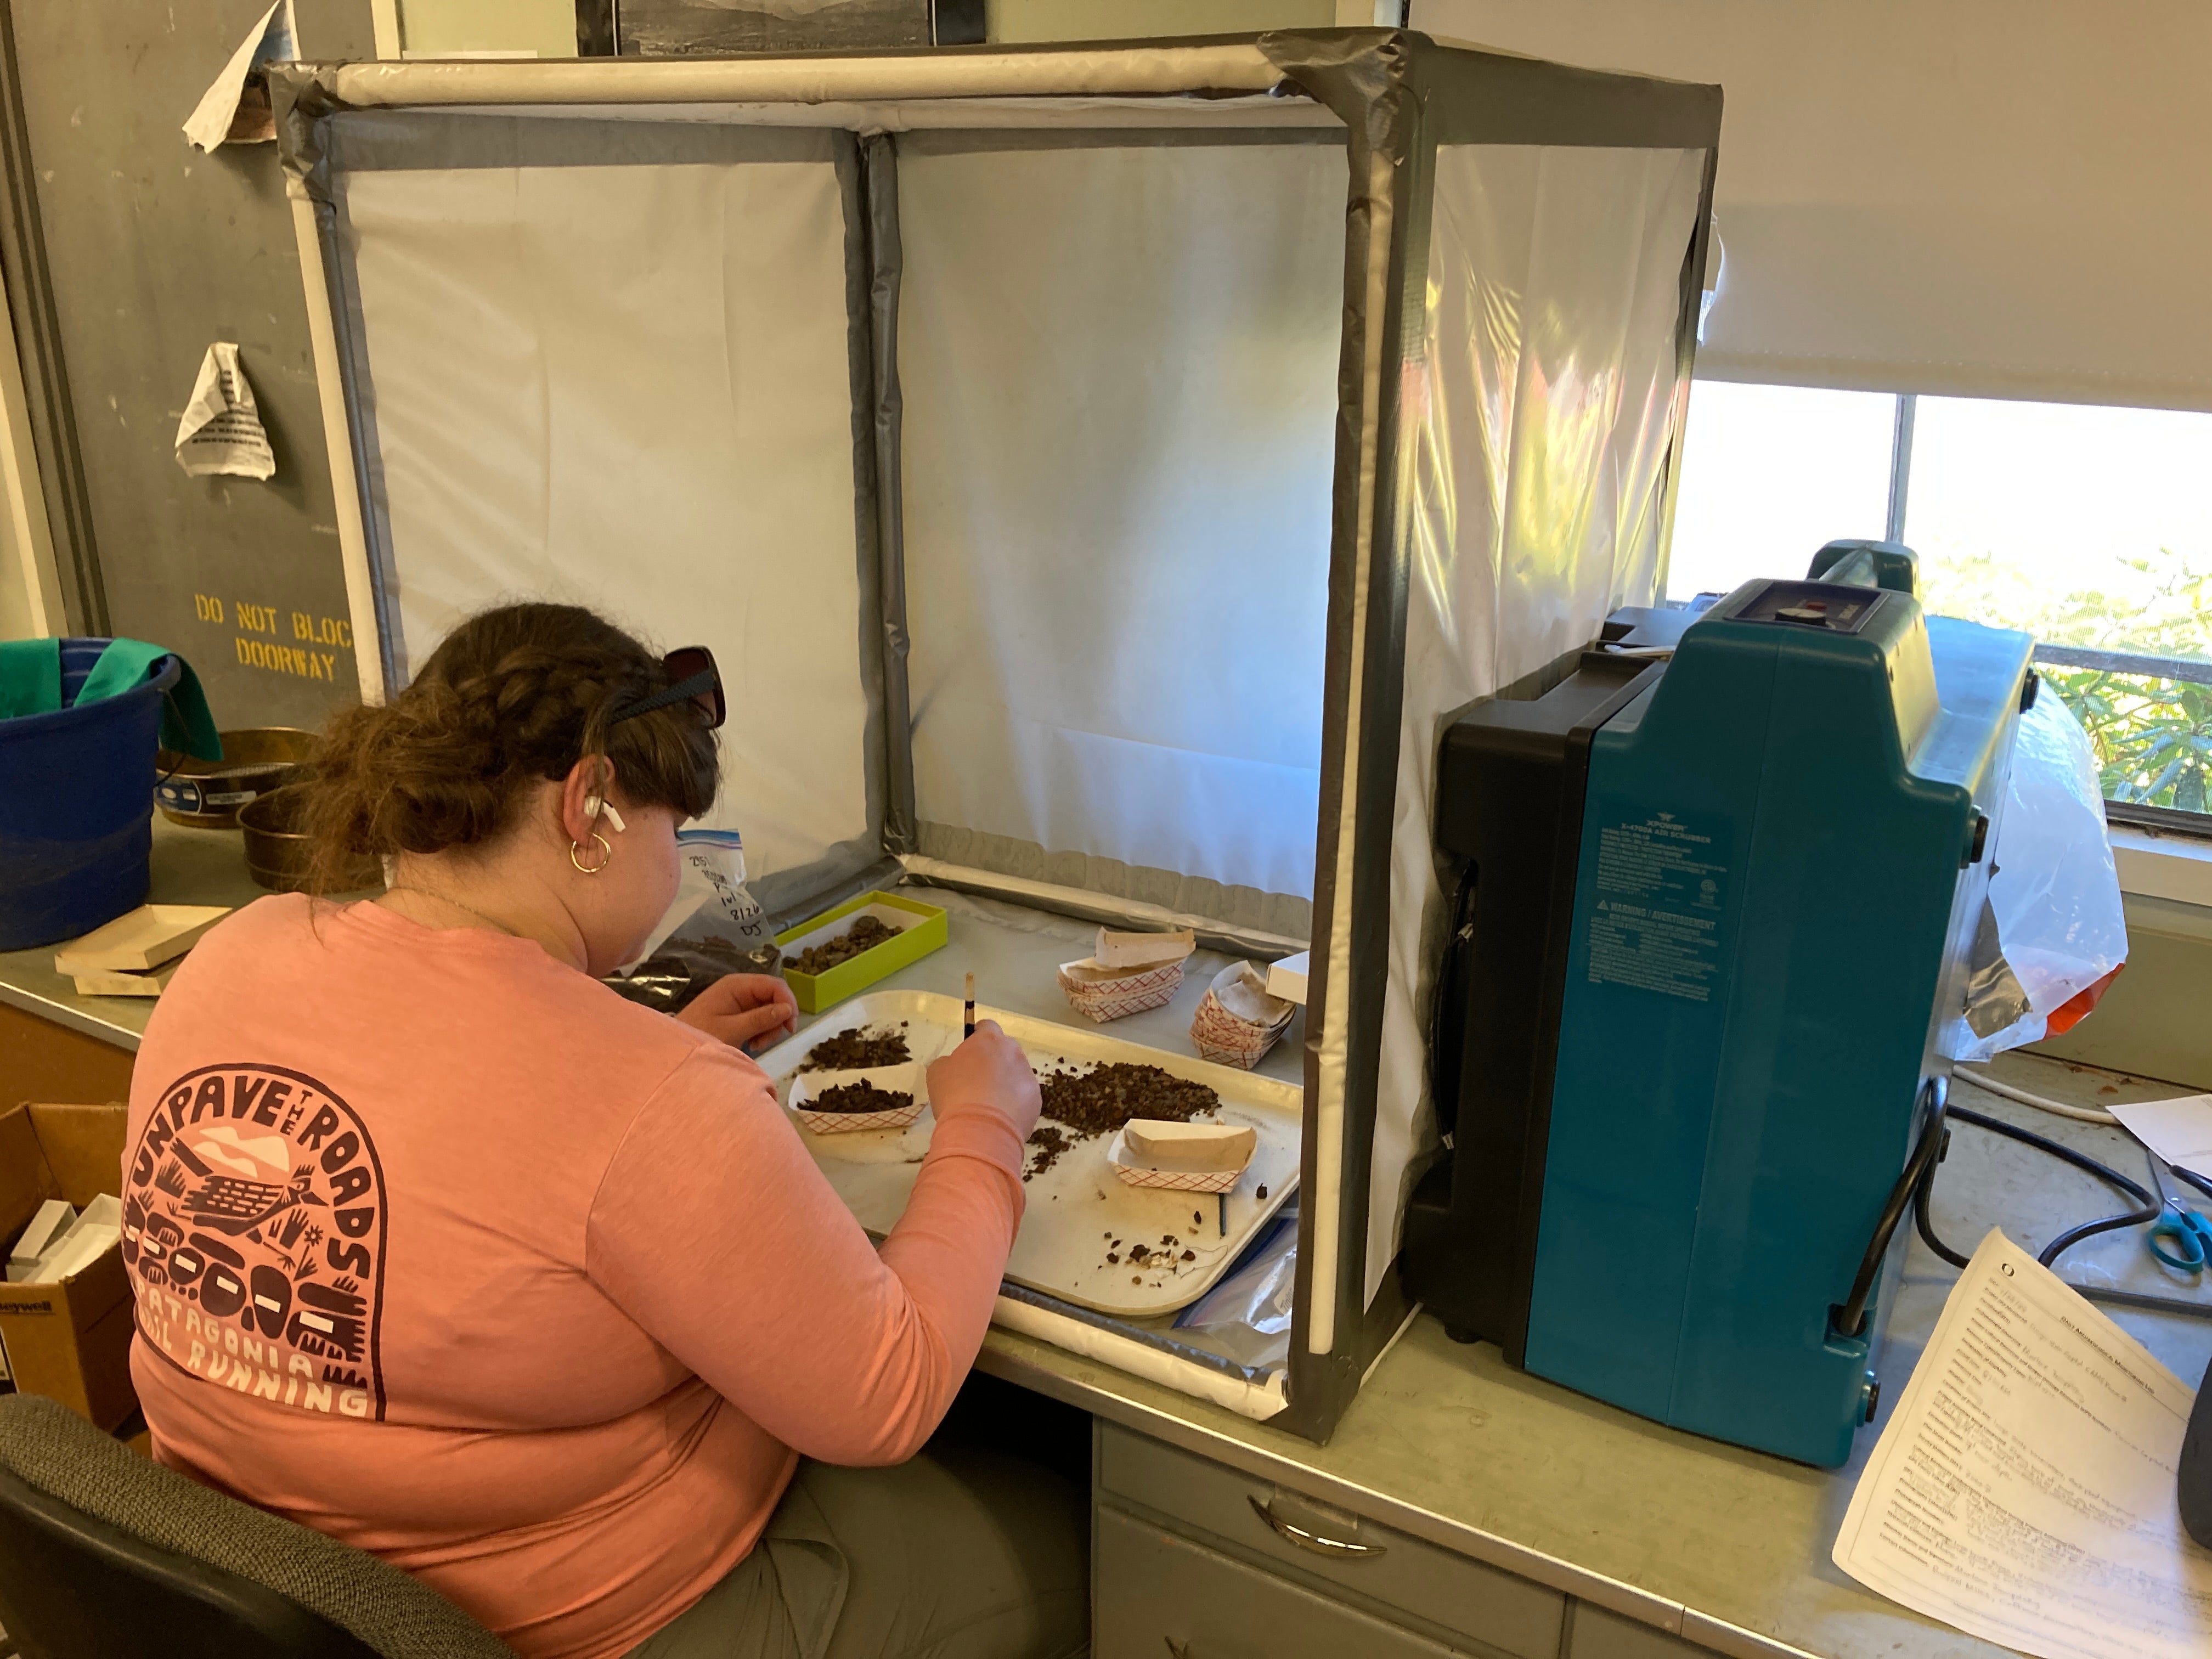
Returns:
<point x="743" y="1009"/>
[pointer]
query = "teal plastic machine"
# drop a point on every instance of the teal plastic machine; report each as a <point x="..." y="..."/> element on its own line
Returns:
<point x="1713" y="919"/>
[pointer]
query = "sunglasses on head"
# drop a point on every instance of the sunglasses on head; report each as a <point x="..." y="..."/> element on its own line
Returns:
<point x="692" y="679"/>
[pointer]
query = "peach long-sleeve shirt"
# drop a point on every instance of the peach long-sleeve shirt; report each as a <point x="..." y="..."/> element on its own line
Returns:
<point x="442" y="1247"/>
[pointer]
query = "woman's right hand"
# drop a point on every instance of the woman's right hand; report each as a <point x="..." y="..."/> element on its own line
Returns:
<point x="989" y="1070"/>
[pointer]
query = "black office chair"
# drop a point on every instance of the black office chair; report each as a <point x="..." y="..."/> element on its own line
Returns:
<point x="106" y="1553"/>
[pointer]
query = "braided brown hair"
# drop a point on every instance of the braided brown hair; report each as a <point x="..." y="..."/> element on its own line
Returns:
<point x="512" y="695"/>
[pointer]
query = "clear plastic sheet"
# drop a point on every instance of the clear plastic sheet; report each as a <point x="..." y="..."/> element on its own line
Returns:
<point x="2054" y="924"/>
<point x="1247" y="1317"/>
<point x="1542" y="426"/>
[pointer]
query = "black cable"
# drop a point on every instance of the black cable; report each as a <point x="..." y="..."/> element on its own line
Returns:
<point x="2192" y="1310"/>
<point x="2151" y="1205"/>
<point x="1927" y="1228"/>
<point x="2169" y="1304"/>
<point x="1851" y="1318"/>
<point x="1448" y="999"/>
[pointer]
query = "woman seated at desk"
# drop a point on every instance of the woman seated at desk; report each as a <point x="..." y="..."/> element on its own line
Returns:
<point x="452" y="1253"/>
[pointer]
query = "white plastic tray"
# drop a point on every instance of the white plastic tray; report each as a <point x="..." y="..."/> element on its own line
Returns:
<point x="1078" y="1208"/>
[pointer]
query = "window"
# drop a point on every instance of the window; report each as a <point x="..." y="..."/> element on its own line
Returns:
<point x="2087" y="526"/>
<point x="1770" y="474"/>
<point x="2092" y="529"/>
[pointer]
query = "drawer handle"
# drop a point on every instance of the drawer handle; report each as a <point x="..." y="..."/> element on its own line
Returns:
<point x="1336" y="1547"/>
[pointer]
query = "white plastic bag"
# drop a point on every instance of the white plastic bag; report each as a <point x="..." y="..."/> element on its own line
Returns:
<point x="2053" y="925"/>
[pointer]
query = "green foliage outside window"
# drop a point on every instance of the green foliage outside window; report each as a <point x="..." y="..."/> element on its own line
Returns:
<point x="2152" y="736"/>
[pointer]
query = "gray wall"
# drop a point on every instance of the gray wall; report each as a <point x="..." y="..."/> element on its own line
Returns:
<point x="155" y="250"/>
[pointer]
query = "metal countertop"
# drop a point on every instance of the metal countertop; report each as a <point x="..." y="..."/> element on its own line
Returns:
<point x="1726" y="1548"/>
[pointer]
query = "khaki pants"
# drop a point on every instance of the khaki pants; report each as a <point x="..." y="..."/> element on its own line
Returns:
<point x="958" y="1553"/>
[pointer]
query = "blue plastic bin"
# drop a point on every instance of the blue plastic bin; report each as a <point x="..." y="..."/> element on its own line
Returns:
<point x="77" y="805"/>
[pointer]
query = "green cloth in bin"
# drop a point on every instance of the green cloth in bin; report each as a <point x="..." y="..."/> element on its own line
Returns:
<point x="31" y="683"/>
<point x="30" y="678"/>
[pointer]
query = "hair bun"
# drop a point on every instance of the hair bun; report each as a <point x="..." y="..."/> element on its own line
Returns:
<point x="512" y="697"/>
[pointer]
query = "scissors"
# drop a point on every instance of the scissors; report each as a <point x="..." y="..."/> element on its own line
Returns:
<point x="2190" y="1233"/>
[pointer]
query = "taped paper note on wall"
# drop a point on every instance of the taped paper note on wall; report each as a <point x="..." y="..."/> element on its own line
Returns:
<point x="2025" y="1490"/>
<point x="230" y="111"/>
<point x="221" y="430"/>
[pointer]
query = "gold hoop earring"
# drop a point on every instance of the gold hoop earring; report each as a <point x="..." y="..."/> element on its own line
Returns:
<point x="606" y="854"/>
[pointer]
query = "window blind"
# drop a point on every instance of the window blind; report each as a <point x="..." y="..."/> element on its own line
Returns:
<point x="2004" y="198"/>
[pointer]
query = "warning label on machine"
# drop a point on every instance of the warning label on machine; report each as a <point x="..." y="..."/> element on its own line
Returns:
<point x="1657" y="921"/>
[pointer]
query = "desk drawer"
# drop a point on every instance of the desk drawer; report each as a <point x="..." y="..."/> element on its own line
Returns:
<point x="1158" y="1595"/>
<point x="1467" y="1598"/>
<point x="1594" y="1633"/>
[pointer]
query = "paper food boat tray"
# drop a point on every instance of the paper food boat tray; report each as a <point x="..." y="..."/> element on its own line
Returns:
<point x="910" y="1079"/>
<point x="1078" y="1209"/>
<point x="1167" y="1181"/>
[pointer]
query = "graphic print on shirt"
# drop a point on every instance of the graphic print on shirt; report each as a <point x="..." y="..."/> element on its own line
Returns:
<point x="254" y="1222"/>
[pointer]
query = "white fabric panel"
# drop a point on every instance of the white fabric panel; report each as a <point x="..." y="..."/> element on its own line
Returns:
<point x="1539" y="484"/>
<point x="1976" y="198"/>
<point x="653" y="419"/>
<point x="1120" y="370"/>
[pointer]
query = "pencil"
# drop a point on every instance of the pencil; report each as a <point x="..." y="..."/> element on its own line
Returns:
<point x="968" y="1022"/>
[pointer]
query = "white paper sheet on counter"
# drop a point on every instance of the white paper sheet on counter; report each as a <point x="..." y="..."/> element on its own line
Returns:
<point x="2024" y="1492"/>
<point x="2179" y="1131"/>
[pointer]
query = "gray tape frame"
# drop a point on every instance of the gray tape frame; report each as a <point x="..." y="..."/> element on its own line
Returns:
<point x="1400" y="95"/>
<point x="360" y="398"/>
<point x="959" y="141"/>
<point x="412" y="140"/>
<point x="875" y="572"/>
<point x="886" y="410"/>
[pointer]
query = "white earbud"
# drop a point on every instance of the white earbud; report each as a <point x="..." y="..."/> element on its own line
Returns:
<point x="597" y="807"/>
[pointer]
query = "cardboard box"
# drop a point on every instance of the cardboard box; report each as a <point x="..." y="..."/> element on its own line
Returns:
<point x="70" y="1340"/>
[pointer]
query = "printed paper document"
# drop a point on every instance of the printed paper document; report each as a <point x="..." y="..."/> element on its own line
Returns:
<point x="2025" y="1490"/>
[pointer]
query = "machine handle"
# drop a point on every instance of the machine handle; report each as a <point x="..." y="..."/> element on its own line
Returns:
<point x="1336" y="1548"/>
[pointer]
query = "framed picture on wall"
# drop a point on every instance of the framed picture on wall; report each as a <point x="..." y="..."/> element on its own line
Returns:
<point x="683" y="28"/>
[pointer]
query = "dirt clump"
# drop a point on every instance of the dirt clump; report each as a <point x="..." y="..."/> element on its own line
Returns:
<point x="861" y="1096"/>
<point x="1047" y="1144"/>
<point x="1101" y="1100"/>
<point x="854" y="1051"/>
<point x="865" y="934"/>
<point x="1082" y="1105"/>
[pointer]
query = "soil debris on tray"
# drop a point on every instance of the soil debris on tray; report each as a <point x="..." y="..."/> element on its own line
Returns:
<point x="1082" y="1105"/>
<point x="1048" y="1141"/>
<point x="1100" y="1100"/>
<point x="860" y="1096"/>
<point x="865" y="934"/>
<point x="857" y="1051"/>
